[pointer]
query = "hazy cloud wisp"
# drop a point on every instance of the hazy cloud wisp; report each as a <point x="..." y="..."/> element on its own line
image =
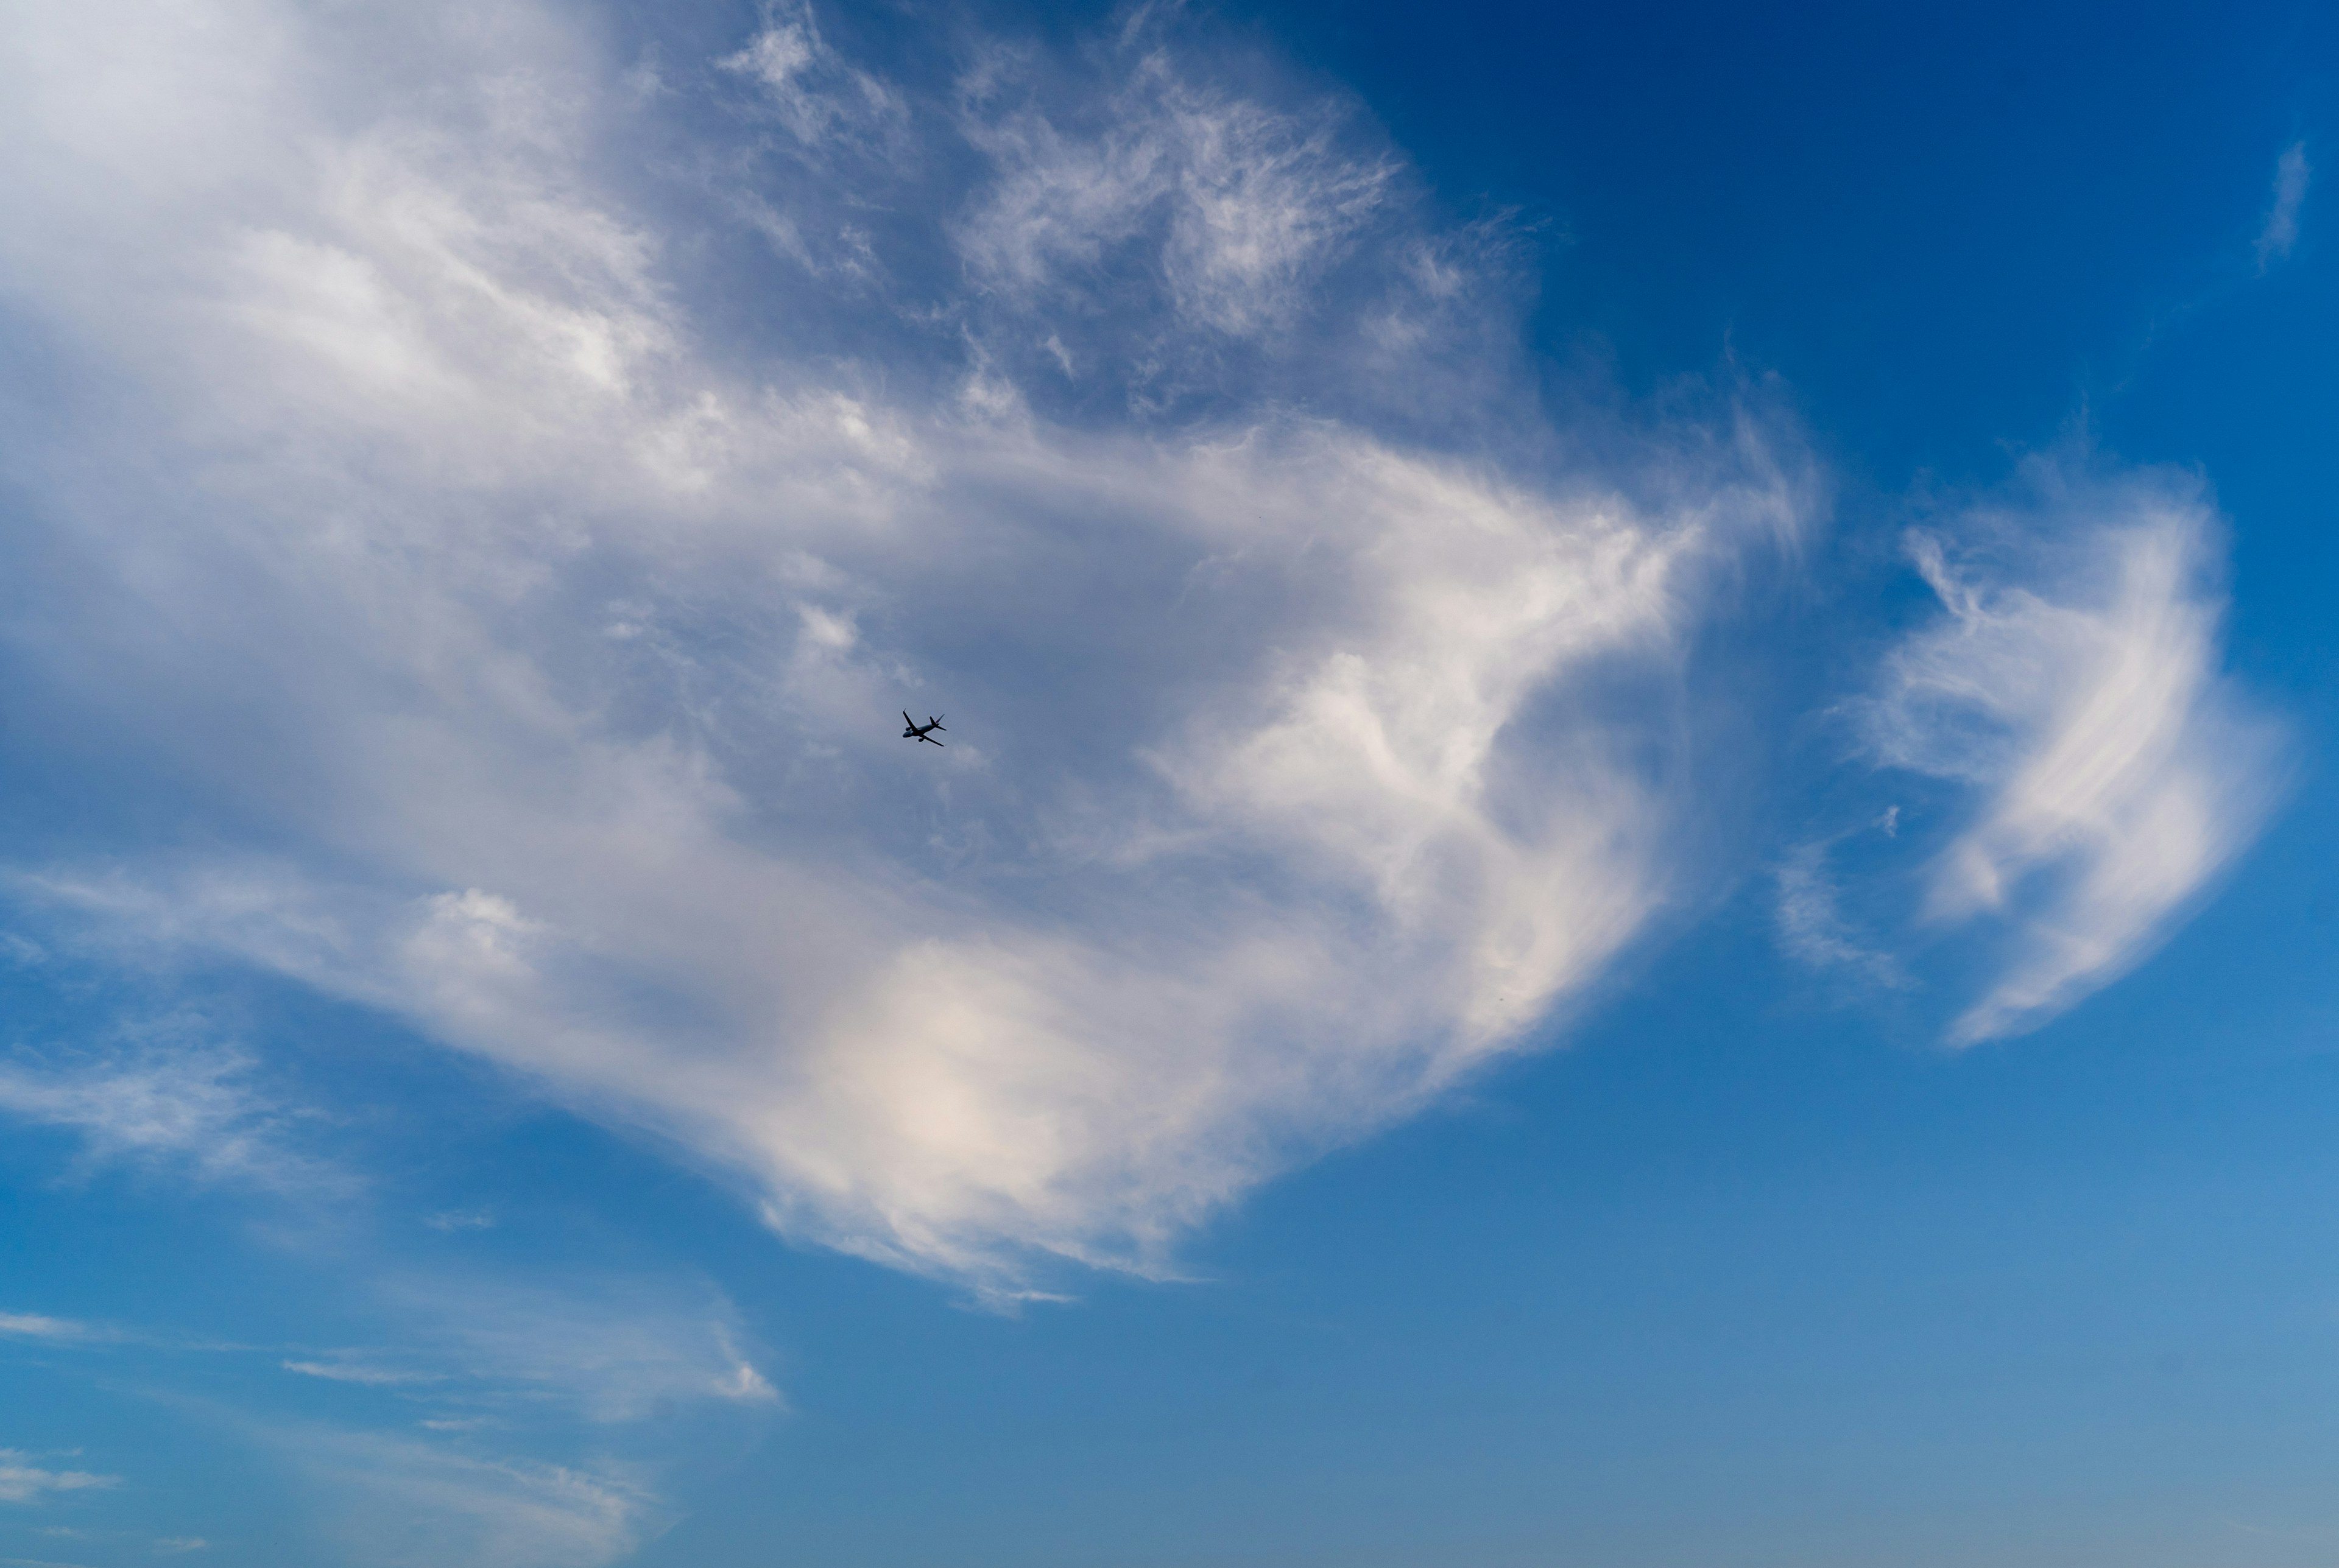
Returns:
<point x="2291" y="174"/>
<point x="22" y="1482"/>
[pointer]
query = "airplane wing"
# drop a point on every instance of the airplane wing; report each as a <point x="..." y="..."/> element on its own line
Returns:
<point x="908" y="720"/>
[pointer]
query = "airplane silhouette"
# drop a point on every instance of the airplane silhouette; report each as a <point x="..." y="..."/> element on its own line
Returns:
<point x="917" y="732"/>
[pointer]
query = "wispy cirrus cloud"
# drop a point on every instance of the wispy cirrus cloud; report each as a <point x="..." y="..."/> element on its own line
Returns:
<point x="817" y="93"/>
<point x="1296" y="778"/>
<point x="608" y="1350"/>
<point x="395" y="1501"/>
<point x="2074" y="684"/>
<point x="1235" y="207"/>
<point x="166" y="1098"/>
<point x="1812" y="923"/>
<point x="500" y="1414"/>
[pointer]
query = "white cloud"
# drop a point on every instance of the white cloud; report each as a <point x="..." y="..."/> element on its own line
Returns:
<point x="21" y="1481"/>
<point x="2076" y="688"/>
<point x="2291" y="174"/>
<point x="32" y="1325"/>
<point x="1295" y="768"/>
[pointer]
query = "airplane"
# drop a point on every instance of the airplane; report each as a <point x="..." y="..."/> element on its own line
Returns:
<point x="917" y="732"/>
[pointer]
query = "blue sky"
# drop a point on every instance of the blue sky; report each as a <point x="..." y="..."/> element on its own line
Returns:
<point x="1633" y="864"/>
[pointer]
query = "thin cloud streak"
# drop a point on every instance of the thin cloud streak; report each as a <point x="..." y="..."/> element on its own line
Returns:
<point x="611" y="1350"/>
<point x="366" y="1376"/>
<point x="61" y="1330"/>
<point x="2291" y="176"/>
